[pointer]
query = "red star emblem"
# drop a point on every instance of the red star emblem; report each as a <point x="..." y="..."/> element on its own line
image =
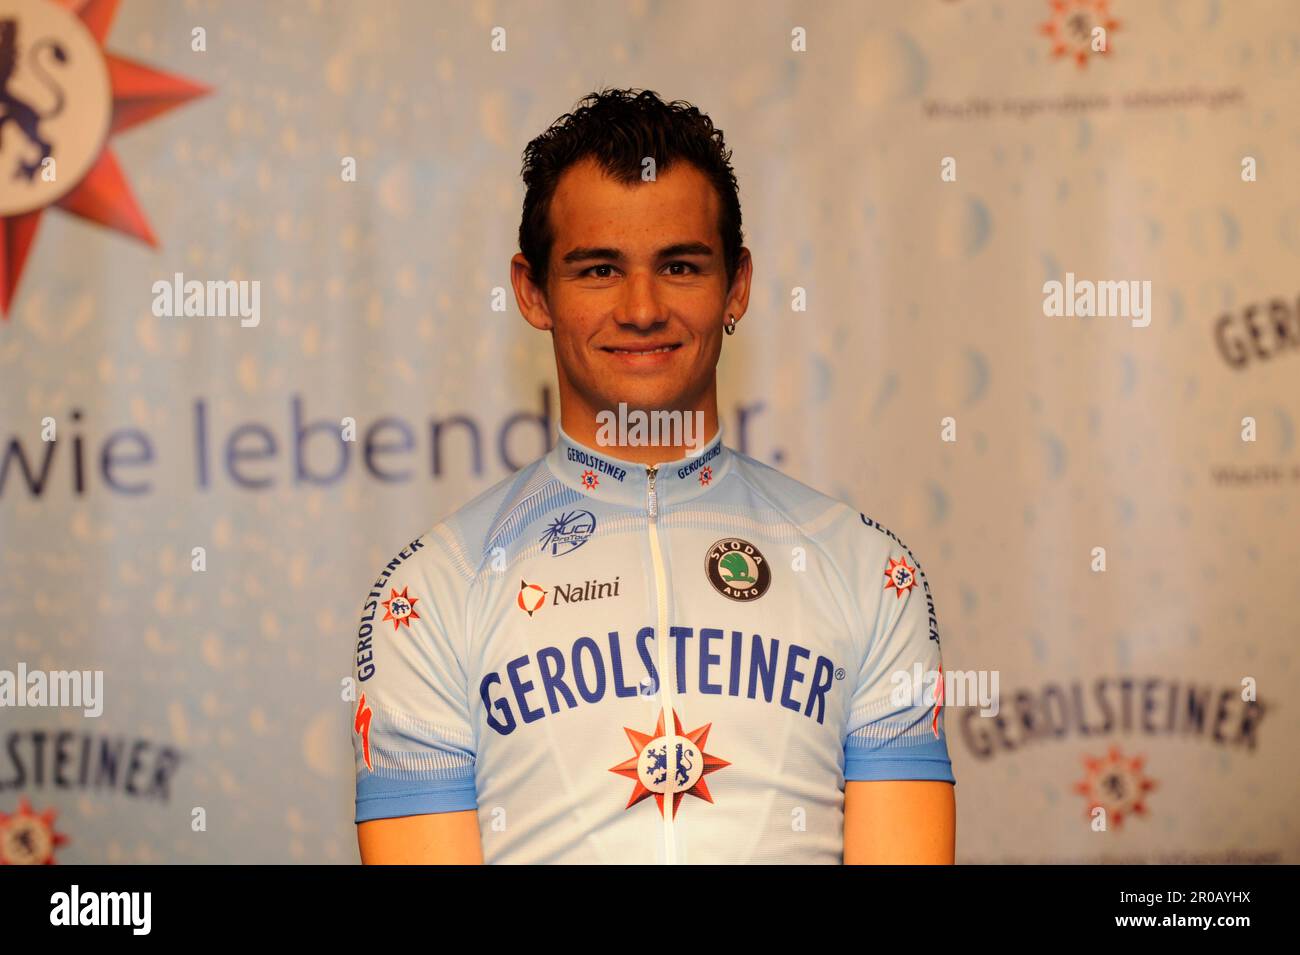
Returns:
<point x="1116" y="783"/>
<point x="589" y="480"/>
<point x="901" y="576"/>
<point x="706" y="476"/>
<point x="400" y="608"/>
<point x="29" y="838"/>
<point x="1071" y="26"/>
<point x="106" y="95"/>
<point x="663" y="762"/>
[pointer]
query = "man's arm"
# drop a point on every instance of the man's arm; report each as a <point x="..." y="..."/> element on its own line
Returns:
<point x="441" y="838"/>
<point x="899" y="822"/>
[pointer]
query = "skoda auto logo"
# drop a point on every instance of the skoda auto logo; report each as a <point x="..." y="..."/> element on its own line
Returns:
<point x="737" y="569"/>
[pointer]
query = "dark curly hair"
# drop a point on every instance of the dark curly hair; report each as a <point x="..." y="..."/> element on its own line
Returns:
<point x="619" y="128"/>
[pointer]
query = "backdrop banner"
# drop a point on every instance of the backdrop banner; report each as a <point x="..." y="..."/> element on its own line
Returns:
<point x="1032" y="305"/>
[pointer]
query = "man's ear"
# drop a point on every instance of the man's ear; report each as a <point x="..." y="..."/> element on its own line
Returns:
<point x="529" y="296"/>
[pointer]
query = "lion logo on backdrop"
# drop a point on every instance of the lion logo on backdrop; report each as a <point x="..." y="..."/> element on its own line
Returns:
<point x="63" y="98"/>
<point x="17" y="111"/>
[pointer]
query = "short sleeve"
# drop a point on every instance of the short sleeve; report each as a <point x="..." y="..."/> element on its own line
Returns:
<point x="411" y="733"/>
<point x="895" y="728"/>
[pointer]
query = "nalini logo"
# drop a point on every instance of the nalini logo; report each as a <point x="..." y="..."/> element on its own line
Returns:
<point x="531" y="597"/>
<point x="737" y="569"/>
<point x="62" y="100"/>
<point x="568" y="532"/>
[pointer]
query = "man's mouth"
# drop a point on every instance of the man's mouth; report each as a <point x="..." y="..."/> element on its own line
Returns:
<point x="643" y="349"/>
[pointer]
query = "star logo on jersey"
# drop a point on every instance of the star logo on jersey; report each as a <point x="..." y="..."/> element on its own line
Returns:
<point x="1117" y="784"/>
<point x="666" y="764"/>
<point x="361" y="726"/>
<point x="902" y="577"/>
<point x="400" y="608"/>
<point x="531" y="597"/>
<point x="63" y="99"/>
<point x="29" y="838"/>
<point x="589" y="480"/>
<point x="706" y="476"/>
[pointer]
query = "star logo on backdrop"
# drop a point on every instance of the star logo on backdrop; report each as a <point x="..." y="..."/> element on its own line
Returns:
<point x="1116" y="783"/>
<point x="29" y="838"/>
<point x="664" y="764"/>
<point x="1072" y="26"/>
<point x="64" y="97"/>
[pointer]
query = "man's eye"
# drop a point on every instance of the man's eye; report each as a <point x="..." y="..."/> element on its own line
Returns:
<point x="685" y="265"/>
<point x="594" y="268"/>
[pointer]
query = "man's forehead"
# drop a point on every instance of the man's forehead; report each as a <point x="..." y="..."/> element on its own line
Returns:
<point x="586" y="199"/>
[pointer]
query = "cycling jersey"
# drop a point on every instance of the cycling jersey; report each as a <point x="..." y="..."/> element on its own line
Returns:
<point x="615" y="662"/>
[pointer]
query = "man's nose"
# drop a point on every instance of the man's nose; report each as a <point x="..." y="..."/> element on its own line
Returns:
<point x="641" y="306"/>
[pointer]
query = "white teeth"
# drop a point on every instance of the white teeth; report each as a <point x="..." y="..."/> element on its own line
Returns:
<point x="644" y="351"/>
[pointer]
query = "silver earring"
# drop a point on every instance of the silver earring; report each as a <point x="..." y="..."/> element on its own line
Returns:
<point x="730" y="326"/>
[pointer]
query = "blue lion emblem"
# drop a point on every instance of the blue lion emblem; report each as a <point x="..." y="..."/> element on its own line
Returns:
<point x="657" y="768"/>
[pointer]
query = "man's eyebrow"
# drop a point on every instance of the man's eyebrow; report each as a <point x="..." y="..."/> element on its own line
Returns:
<point x="587" y="253"/>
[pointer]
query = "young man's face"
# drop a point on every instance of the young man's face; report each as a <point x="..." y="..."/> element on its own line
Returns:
<point x="637" y="291"/>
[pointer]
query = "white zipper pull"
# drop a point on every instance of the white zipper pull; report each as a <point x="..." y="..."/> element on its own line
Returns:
<point x="652" y="498"/>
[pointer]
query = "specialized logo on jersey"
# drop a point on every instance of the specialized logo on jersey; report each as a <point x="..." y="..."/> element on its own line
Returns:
<point x="568" y="532"/>
<point x="938" y="705"/>
<point x="737" y="569"/>
<point x="361" y="726"/>
<point x="901" y="576"/>
<point x="666" y="764"/>
<point x="400" y="608"/>
<point x="706" y="476"/>
<point x="1117" y="784"/>
<point x="63" y="98"/>
<point x="589" y="480"/>
<point x="29" y="838"/>
<point x="531" y="597"/>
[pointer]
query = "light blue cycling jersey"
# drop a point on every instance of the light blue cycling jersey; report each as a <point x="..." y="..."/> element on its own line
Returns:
<point x="616" y="663"/>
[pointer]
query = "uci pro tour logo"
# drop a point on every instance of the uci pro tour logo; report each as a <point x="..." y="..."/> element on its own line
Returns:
<point x="63" y="98"/>
<point x="737" y="569"/>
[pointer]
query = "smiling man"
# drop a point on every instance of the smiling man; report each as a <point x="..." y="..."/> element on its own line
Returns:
<point x="647" y="652"/>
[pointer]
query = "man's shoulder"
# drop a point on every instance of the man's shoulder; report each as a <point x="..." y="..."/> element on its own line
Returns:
<point x="822" y="517"/>
<point x="490" y="526"/>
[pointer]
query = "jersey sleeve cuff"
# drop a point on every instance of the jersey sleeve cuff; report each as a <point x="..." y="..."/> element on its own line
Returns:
<point x="859" y="768"/>
<point x="416" y="802"/>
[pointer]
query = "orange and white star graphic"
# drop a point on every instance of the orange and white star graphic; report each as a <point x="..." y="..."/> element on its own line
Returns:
<point x="29" y="838"/>
<point x="901" y="576"/>
<point x="1116" y="783"/>
<point x="664" y="764"/>
<point x="64" y="98"/>
<point x="400" y="608"/>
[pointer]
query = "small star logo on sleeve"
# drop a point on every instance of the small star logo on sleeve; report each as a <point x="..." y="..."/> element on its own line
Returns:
<point x="900" y="576"/>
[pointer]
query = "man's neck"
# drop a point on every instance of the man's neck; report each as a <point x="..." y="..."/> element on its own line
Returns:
<point x="629" y="434"/>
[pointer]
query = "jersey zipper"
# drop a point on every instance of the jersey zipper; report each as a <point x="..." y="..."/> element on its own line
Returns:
<point x="661" y="640"/>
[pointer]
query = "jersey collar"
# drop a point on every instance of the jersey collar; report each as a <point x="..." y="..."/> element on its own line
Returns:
<point x="600" y="476"/>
